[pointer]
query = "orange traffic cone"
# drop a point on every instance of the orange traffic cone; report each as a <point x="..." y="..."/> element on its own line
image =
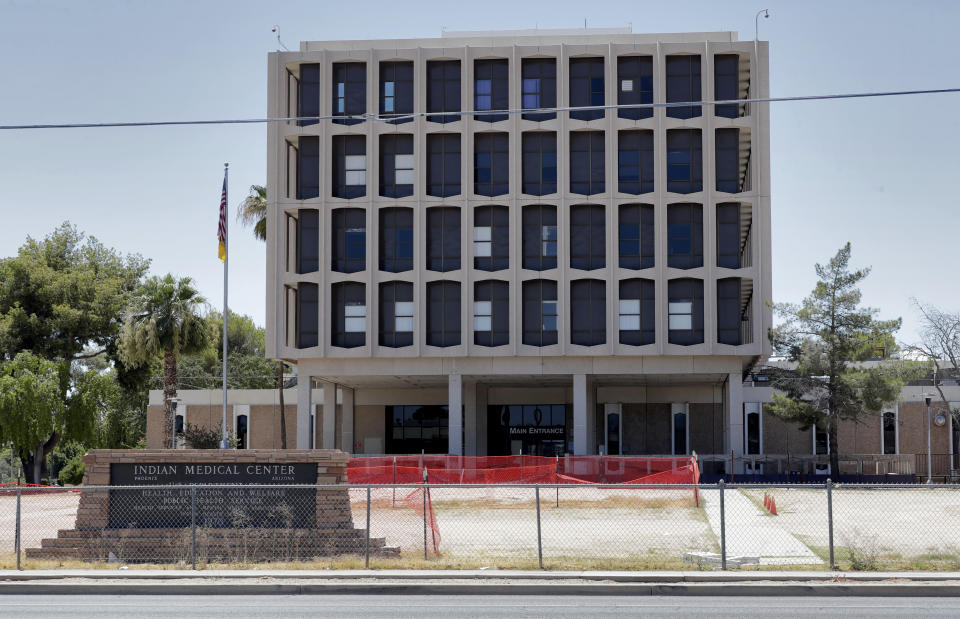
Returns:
<point x="773" y="507"/>
<point x="766" y="501"/>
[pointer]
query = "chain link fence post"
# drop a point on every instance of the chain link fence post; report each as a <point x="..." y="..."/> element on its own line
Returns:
<point x="193" y="526"/>
<point x="16" y="539"/>
<point x="829" y="484"/>
<point x="539" y="534"/>
<point x="424" y="513"/>
<point x="723" y="530"/>
<point x="366" y="551"/>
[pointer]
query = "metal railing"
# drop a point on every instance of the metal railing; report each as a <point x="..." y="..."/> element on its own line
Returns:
<point x="547" y="526"/>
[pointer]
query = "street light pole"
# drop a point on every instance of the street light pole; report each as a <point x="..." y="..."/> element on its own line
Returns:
<point x="926" y="398"/>
<point x="756" y="22"/>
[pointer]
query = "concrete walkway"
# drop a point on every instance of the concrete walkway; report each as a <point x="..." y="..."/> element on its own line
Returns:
<point x="753" y="533"/>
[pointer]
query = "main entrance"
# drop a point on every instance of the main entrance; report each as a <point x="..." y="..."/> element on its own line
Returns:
<point x="528" y="429"/>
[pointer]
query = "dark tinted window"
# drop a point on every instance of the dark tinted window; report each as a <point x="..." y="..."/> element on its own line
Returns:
<point x="587" y="163"/>
<point x="443" y="238"/>
<point x="635" y="162"/>
<point x="490" y="89"/>
<point x="588" y="312"/>
<point x="728" y="235"/>
<point x="443" y="90"/>
<point x="685" y="311"/>
<point x="728" y="161"/>
<point x="396" y="239"/>
<point x="443" y="313"/>
<point x="728" y="311"/>
<point x="308" y="241"/>
<point x="396" y="314"/>
<point x="396" y="90"/>
<point x="539" y="163"/>
<point x="889" y="432"/>
<point x="491" y="164"/>
<point x="308" y="167"/>
<point x="415" y="429"/>
<point x="683" y="85"/>
<point x="635" y="85"/>
<point x="637" y="312"/>
<point x="349" y="91"/>
<point x="684" y="161"/>
<point x="538" y="87"/>
<point x="586" y="87"/>
<point x="308" y="97"/>
<point x="539" y="312"/>
<point x="348" y="322"/>
<point x="539" y="237"/>
<point x="308" y="315"/>
<point x="443" y="164"/>
<point x="635" y="232"/>
<point x="684" y="236"/>
<point x="587" y="237"/>
<point x="349" y="240"/>
<point x="349" y="166"/>
<point x="726" y="84"/>
<point x="396" y="165"/>
<point x="491" y="313"/>
<point x="491" y="238"/>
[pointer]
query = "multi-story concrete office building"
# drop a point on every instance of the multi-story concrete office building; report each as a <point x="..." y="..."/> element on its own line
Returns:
<point x="454" y="275"/>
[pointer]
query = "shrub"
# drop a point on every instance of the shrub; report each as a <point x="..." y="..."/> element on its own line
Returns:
<point x="198" y="437"/>
<point x="72" y="473"/>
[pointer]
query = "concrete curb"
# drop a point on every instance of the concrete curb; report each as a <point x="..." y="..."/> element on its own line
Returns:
<point x="453" y="589"/>
<point x="646" y="577"/>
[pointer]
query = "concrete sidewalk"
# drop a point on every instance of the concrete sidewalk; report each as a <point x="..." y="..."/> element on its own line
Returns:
<point x="483" y="582"/>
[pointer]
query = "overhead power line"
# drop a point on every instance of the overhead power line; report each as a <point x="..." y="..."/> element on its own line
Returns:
<point x="392" y="118"/>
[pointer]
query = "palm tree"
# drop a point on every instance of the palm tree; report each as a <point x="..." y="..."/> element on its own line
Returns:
<point x="253" y="212"/>
<point x="164" y="319"/>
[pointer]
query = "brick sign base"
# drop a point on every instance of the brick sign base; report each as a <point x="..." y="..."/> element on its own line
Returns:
<point x="154" y="524"/>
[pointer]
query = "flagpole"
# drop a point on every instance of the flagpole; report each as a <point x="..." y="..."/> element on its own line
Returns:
<point x="224" y="443"/>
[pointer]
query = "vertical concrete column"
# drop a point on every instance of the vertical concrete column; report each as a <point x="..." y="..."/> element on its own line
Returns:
<point x="329" y="423"/>
<point x="470" y="418"/>
<point x="580" y="414"/>
<point x="304" y="408"/>
<point x="734" y="406"/>
<point x="455" y="415"/>
<point x="346" y="432"/>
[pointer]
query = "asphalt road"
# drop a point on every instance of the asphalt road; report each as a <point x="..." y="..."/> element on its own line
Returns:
<point x="451" y="607"/>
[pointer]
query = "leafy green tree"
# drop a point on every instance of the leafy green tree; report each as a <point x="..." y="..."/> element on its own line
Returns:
<point x="826" y="339"/>
<point x="253" y="211"/>
<point x="164" y="320"/>
<point x="61" y="299"/>
<point x="247" y="366"/>
<point x="40" y="399"/>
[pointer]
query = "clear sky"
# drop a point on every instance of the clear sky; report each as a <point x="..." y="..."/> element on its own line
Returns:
<point x="881" y="173"/>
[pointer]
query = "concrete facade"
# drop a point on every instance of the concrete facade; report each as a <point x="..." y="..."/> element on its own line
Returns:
<point x="643" y="381"/>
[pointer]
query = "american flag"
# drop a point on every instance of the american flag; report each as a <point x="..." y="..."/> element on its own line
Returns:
<point x="222" y="227"/>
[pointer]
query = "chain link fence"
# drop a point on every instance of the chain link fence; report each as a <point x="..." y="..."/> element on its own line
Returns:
<point x="522" y="526"/>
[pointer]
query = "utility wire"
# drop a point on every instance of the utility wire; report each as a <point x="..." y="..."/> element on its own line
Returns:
<point x="393" y="118"/>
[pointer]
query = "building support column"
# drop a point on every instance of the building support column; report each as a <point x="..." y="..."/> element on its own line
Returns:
<point x="346" y="432"/>
<point x="329" y="423"/>
<point x="580" y="414"/>
<point x="304" y="410"/>
<point x="734" y="410"/>
<point x="455" y="415"/>
<point x="470" y="417"/>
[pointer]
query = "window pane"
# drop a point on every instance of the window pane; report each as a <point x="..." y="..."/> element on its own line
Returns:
<point x="355" y="310"/>
<point x="626" y="85"/>
<point x="355" y="325"/>
<point x="549" y="233"/>
<point x="681" y="322"/>
<point x="550" y="307"/>
<point x="482" y="323"/>
<point x="483" y="87"/>
<point x="404" y="162"/>
<point x="404" y="177"/>
<point x="630" y="306"/>
<point x="531" y="101"/>
<point x="482" y="233"/>
<point x="482" y="249"/>
<point x="550" y="248"/>
<point x="482" y="308"/>
<point x="681" y="307"/>
<point x="356" y="178"/>
<point x="629" y="323"/>
<point x="403" y="308"/>
<point x="404" y="325"/>
<point x="549" y="323"/>
<point x="355" y="162"/>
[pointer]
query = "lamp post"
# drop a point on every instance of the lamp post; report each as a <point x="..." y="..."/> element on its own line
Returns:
<point x="756" y="22"/>
<point x="926" y="398"/>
